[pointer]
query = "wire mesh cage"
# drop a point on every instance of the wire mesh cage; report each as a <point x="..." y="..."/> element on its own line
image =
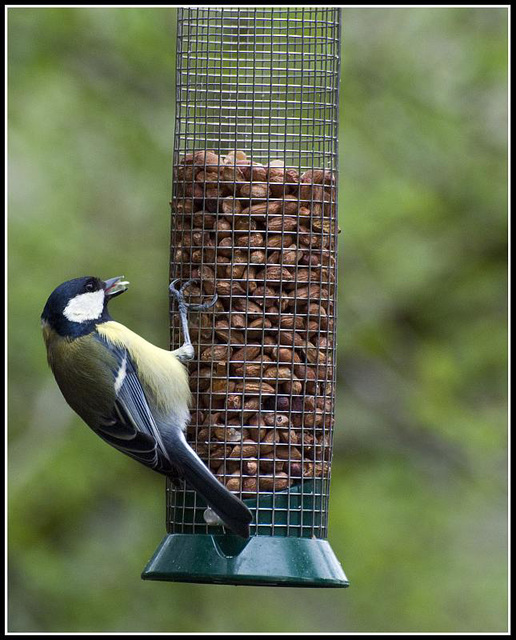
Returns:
<point x="254" y="220"/>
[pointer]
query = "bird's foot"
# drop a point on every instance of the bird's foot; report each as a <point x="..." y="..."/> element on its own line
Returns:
<point x="211" y="518"/>
<point x="178" y="294"/>
<point x="185" y="353"/>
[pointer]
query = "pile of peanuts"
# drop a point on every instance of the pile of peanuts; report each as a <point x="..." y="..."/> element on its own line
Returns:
<point x="264" y="239"/>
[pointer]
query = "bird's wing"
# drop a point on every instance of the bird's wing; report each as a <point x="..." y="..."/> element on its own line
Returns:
<point x="131" y="427"/>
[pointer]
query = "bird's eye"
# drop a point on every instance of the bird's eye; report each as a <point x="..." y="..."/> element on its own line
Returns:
<point x="90" y="286"/>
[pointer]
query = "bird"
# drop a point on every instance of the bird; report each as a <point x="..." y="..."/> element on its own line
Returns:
<point x="131" y="393"/>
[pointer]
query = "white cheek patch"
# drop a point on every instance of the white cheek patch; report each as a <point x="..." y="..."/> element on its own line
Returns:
<point x="85" y="306"/>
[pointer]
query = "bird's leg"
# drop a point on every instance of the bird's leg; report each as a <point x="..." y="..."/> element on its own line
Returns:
<point x="186" y="352"/>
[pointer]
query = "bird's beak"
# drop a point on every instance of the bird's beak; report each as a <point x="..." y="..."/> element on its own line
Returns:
<point x="115" y="286"/>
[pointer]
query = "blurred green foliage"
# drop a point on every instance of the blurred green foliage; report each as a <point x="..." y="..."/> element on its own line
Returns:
<point x="419" y="491"/>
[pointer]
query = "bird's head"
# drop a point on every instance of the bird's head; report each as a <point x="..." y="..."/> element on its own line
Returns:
<point x="75" y="307"/>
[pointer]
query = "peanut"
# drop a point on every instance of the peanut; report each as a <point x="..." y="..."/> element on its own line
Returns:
<point x="263" y="239"/>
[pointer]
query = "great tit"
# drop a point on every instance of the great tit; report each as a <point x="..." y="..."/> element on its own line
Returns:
<point x="134" y="395"/>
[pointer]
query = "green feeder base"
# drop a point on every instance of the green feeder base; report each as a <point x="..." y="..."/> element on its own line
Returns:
<point x="270" y="560"/>
<point x="260" y="561"/>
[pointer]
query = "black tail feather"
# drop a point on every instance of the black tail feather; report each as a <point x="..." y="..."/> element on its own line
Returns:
<point x="232" y="511"/>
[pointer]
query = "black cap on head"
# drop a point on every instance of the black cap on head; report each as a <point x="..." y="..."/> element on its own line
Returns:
<point x="76" y="306"/>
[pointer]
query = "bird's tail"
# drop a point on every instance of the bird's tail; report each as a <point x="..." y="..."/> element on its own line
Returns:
<point x="232" y="511"/>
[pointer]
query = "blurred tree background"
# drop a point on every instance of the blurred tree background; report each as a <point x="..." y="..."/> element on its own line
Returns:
<point x="418" y="508"/>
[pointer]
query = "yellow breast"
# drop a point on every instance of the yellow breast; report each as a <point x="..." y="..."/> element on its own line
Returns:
<point x="163" y="377"/>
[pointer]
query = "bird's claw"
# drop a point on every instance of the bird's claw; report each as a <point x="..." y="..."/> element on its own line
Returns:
<point x="181" y="290"/>
<point x="179" y="296"/>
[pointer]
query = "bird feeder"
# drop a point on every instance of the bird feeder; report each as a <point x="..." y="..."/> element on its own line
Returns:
<point x="254" y="220"/>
